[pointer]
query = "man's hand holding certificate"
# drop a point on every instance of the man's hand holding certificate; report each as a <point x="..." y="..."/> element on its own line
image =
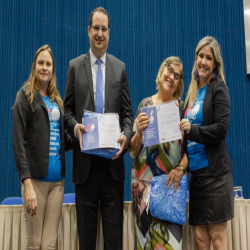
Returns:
<point x="163" y="124"/>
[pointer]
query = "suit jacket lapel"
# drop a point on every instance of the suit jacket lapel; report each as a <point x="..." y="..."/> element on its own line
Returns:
<point x="107" y="80"/>
<point x="39" y="100"/>
<point x="88" y="71"/>
<point x="207" y="105"/>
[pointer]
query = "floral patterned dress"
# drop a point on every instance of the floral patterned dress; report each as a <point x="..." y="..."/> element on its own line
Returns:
<point x="152" y="233"/>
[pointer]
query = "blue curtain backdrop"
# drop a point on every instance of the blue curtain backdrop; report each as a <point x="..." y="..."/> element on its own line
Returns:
<point x="142" y="34"/>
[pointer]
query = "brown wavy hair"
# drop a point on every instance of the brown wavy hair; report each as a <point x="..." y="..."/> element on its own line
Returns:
<point x="32" y="83"/>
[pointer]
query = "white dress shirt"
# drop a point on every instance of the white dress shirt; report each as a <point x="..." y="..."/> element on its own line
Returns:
<point x="94" y="68"/>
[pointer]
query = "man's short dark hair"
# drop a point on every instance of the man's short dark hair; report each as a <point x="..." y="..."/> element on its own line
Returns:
<point x="99" y="9"/>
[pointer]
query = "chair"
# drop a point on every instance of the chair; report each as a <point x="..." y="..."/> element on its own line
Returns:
<point x="69" y="198"/>
<point x="12" y="201"/>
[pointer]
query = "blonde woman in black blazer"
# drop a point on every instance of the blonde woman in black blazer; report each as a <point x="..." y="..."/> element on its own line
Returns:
<point x="211" y="182"/>
<point x="38" y="143"/>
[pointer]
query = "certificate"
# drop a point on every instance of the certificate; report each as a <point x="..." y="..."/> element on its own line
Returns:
<point x="103" y="131"/>
<point x="163" y="124"/>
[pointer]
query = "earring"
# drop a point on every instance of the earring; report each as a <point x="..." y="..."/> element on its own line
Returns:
<point x="217" y="78"/>
<point x="195" y="74"/>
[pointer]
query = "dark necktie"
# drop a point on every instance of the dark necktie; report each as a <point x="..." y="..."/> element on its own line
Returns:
<point x="99" y="89"/>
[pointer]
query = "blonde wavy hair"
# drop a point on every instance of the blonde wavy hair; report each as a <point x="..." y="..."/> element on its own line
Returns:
<point x="172" y="60"/>
<point x="32" y="84"/>
<point x="219" y="68"/>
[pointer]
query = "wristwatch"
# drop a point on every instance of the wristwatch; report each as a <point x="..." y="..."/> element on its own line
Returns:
<point x="183" y="169"/>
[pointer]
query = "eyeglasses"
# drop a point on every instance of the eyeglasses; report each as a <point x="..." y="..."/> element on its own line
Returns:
<point x="171" y="72"/>
<point x="97" y="28"/>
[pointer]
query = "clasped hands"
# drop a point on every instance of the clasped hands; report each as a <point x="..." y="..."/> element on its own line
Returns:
<point x="80" y="129"/>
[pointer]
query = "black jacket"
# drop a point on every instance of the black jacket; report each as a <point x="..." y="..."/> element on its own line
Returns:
<point x="79" y="96"/>
<point x="31" y="137"/>
<point x="216" y="113"/>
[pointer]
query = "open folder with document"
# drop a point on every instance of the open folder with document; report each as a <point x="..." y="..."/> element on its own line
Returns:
<point x="103" y="131"/>
<point x="163" y="124"/>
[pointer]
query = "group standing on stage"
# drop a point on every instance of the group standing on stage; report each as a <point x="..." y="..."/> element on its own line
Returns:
<point x="44" y="127"/>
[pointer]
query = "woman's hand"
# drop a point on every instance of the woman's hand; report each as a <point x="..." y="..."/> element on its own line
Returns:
<point x="30" y="196"/>
<point x="141" y="122"/>
<point x="185" y="125"/>
<point x="174" y="175"/>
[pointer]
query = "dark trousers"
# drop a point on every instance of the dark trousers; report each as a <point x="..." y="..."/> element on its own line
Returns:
<point x="100" y="186"/>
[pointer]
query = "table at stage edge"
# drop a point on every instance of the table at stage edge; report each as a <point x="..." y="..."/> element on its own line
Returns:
<point x="12" y="228"/>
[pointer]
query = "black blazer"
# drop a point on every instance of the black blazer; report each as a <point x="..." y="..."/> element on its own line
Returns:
<point x="31" y="137"/>
<point x="79" y="96"/>
<point x="216" y="113"/>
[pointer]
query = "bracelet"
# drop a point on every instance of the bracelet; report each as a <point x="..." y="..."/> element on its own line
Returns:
<point x="183" y="169"/>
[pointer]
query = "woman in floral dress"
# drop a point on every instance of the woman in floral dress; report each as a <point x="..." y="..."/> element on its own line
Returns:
<point x="164" y="158"/>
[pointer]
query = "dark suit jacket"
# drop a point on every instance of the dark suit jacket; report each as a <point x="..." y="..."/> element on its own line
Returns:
<point x="31" y="137"/>
<point x="216" y="113"/>
<point x="79" y="96"/>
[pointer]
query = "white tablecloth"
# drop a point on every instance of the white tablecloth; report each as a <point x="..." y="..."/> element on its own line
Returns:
<point x="12" y="229"/>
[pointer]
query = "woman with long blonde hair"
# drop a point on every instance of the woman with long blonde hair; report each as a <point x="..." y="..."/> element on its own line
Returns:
<point x="38" y="143"/>
<point x="206" y="124"/>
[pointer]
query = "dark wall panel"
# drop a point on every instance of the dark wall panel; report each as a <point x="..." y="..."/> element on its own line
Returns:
<point x="143" y="34"/>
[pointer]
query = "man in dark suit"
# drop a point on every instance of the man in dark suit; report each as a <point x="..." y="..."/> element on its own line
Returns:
<point x="98" y="179"/>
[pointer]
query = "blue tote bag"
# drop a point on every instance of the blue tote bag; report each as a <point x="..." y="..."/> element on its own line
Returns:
<point x="166" y="204"/>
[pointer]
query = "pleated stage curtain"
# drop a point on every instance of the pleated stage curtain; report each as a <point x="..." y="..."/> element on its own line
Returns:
<point x="12" y="229"/>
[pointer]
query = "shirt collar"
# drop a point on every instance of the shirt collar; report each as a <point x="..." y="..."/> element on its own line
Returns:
<point x="93" y="58"/>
